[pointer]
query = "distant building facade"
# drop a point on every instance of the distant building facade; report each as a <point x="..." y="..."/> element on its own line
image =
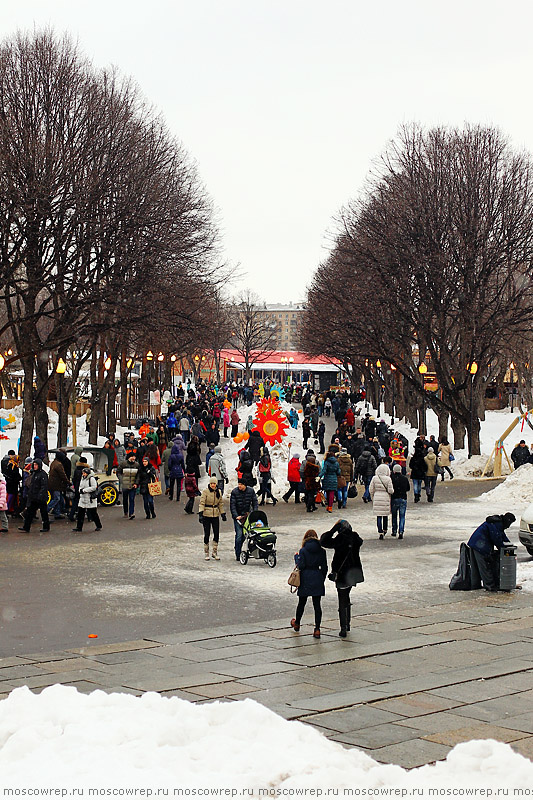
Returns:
<point x="287" y="319"/>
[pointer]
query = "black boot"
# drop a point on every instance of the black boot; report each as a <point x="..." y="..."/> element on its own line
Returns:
<point x="343" y="622"/>
<point x="348" y="616"/>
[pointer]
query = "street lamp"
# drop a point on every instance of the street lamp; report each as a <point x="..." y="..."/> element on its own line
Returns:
<point x="511" y="368"/>
<point x="472" y="369"/>
<point x="60" y="370"/>
<point x="149" y="359"/>
<point x="378" y="393"/>
<point x="393" y="370"/>
<point x="422" y="368"/>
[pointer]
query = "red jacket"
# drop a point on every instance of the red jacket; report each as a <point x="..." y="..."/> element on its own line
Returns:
<point x="293" y="471"/>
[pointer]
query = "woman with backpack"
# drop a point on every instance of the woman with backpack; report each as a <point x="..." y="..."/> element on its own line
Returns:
<point x="265" y="477"/>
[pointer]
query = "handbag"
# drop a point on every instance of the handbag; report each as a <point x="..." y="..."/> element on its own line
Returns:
<point x="294" y="579"/>
<point x="155" y="488"/>
<point x="451" y="457"/>
<point x="352" y="491"/>
<point x="341" y="482"/>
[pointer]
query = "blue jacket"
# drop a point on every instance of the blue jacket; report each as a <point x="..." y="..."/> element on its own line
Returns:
<point x="176" y="464"/>
<point x="329" y="472"/>
<point x="313" y="565"/>
<point x="172" y="421"/>
<point x="489" y="535"/>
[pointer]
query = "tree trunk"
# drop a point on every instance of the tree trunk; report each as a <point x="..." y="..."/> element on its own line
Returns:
<point x="475" y="447"/>
<point x="459" y="432"/>
<point x="443" y="425"/>
<point x="62" y="409"/>
<point x="95" y="400"/>
<point x="124" y="388"/>
<point x="111" y="398"/>
<point x="40" y="402"/>
<point x="28" y="417"/>
<point x="422" y="426"/>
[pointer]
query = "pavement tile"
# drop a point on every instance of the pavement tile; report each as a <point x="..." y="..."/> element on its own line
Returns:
<point x="228" y="689"/>
<point x="434" y="723"/>
<point x="520" y="722"/>
<point x="259" y="672"/>
<point x="415" y="705"/>
<point x="183" y="695"/>
<point x="287" y="695"/>
<point x="375" y="736"/>
<point x="157" y="682"/>
<point x="338" y="700"/>
<point x="411" y="753"/>
<point x="524" y="747"/>
<point x="285" y="711"/>
<point x="86" y="686"/>
<point x="439" y="627"/>
<point x="148" y="657"/>
<point x="65" y="665"/>
<point x="118" y="647"/>
<point x="55" y="656"/>
<point x="50" y="679"/>
<point x="481" y="689"/>
<point x="352" y="719"/>
<point x="499" y="708"/>
<point x="479" y="731"/>
<point x="13" y="661"/>
<point x="19" y="671"/>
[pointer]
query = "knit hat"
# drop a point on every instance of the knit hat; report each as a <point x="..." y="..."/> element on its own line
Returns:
<point x="508" y="519"/>
<point x="396" y="468"/>
<point x="343" y="450"/>
<point x="430" y="450"/>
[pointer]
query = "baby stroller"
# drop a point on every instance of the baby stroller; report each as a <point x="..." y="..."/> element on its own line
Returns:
<point x="259" y="539"/>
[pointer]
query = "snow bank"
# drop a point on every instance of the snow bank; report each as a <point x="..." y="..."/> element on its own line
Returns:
<point x="516" y="489"/>
<point x="61" y="738"/>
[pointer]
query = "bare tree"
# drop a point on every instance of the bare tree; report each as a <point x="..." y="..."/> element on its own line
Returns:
<point x="253" y="335"/>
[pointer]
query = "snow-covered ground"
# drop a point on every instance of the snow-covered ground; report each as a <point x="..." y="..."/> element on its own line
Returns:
<point x="62" y="739"/>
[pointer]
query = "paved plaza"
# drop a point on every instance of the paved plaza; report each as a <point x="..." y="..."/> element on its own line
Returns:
<point x="413" y="679"/>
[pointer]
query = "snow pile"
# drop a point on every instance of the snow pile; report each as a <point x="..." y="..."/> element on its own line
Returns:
<point x="16" y="412"/>
<point x="516" y="489"/>
<point x="66" y="739"/>
<point x="473" y="467"/>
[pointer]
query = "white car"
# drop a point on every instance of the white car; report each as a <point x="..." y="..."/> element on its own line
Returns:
<point x="525" y="534"/>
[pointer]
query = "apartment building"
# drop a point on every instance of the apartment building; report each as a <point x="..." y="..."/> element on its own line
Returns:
<point x="287" y="320"/>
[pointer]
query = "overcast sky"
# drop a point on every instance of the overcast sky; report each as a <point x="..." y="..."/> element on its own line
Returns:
<point x="285" y="103"/>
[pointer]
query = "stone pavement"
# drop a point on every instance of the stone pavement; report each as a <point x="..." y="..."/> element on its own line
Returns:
<point x="409" y="683"/>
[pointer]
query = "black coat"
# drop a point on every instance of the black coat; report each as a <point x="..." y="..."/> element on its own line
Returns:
<point x="417" y="465"/>
<point x="146" y="476"/>
<point x="313" y="566"/>
<point x="255" y="444"/>
<point x="38" y="491"/>
<point x="401" y="486"/>
<point x="366" y="465"/>
<point x="346" y="544"/>
<point x="241" y="503"/>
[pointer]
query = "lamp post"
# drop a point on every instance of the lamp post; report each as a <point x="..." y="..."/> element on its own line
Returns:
<point x="472" y="369"/>
<point x="149" y="359"/>
<point x="60" y="370"/>
<point x="511" y="368"/>
<point x="422" y="368"/>
<point x="378" y="367"/>
<point x="393" y="370"/>
<point x="160" y="359"/>
<point x="129" y="365"/>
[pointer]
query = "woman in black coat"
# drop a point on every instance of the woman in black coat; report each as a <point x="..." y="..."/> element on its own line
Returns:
<point x="193" y="458"/>
<point x="147" y="475"/>
<point x="313" y="566"/>
<point x="346" y="566"/>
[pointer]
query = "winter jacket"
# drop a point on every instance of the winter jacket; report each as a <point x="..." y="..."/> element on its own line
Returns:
<point x="120" y="452"/>
<point x="212" y="437"/>
<point x="3" y="494"/>
<point x="217" y="465"/>
<point x="38" y="490"/>
<point x="245" y="468"/>
<point x="255" y="445"/>
<point x="130" y="474"/>
<point x="184" y="423"/>
<point x="329" y="474"/>
<point x="57" y="477"/>
<point x="346" y="465"/>
<point x="401" y="486"/>
<point x="235" y="419"/>
<point x="178" y="439"/>
<point x="418" y="465"/>
<point x="490" y="534"/>
<point x="431" y="465"/>
<point x="193" y="461"/>
<point x="366" y="465"/>
<point x="310" y="476"/>
<point x="165" y="458"/>
<point x="313" y="566"/>
<point x="176" y="464"/>
<point x="520" y="456"/>
<point x="191" y="485"/>
<point x="381" y="490"/>
<point x="241" y="502"/>
<point x="39" y="449"/>
<point x="211" y="503"/>
<point x="225" y="418"/>
<point x="172" y="422"/>
<point x="88" y="486"/>
<point x="146" y="475"/>
<point x="13" y="477"/>
<point x="445" y="451"/>
<point x="293" y="470"/>
<point x="346" y="544"/>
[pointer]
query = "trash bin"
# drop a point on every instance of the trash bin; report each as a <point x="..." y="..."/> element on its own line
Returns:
<point x="508" y="568"/>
